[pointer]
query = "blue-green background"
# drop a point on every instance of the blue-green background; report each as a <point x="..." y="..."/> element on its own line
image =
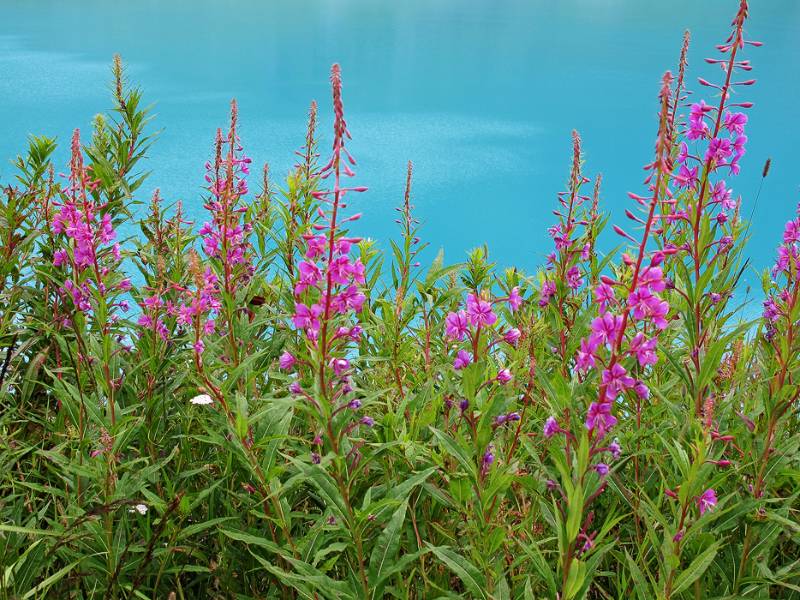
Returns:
<point x="481" y="95"/>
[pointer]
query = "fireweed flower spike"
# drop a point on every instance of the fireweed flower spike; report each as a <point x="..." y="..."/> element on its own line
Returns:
<point x="635" y="304"/>
<point x="705" y="211"/>
<point x="573" y="237"/>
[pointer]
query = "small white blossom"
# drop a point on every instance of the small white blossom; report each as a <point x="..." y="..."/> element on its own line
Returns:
<point x="140" y="508"/>
<point x="201" y="399"/>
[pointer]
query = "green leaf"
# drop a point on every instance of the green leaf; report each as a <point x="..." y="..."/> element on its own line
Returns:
<point x="386" y="547"/>
<point x="696" y="569"/>
<point x="468" y="573"/>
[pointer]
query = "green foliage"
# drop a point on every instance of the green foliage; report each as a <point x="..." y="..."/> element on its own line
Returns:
<point x="136" y="465"/>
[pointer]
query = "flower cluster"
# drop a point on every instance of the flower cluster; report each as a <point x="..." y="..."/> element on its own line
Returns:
<point x="225" y="237"/>
<point x="477" y="317"/>
<point x="327" y="292"/>
<point x="782" y="298"/>
<point x="90" y="231"/>
<point x="573" y="236"/>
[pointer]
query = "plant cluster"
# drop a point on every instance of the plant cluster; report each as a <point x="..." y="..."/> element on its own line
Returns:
<point x="265" y="405"/>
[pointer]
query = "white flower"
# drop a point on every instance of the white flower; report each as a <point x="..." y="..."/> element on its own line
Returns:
<point x="201" y="399"/>
<point x="140" y="508"/>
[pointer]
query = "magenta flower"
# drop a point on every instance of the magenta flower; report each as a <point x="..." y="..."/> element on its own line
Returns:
<point x="641" y="390"/>
<point x="707" y="500"/>
<point x="599" y="418"/>
<point x="514" y="299"/>
<point x="287" y="361"/>
<point x="585" y="358"/>
<point x="653" y="279"/>
<point x="547" y="292"/>
<point x="59" y="258"/>
<point x="686" y="177"/>
<point x="310" y="274"/>
<point x="315" y="246"/>
<point x="512" y="336"/>
<point x="480" y="311"/>
<point x="721" y="195"/>
<point x="574" y="280"/>
<point x="463" y="359"/>
<point x="735" y="122"/>
<point x="340" y="365"/>
<point x="456" y="325"/>
<point x="551" y="427"/>
<point x="616" y="380"/>
<point x="305" y="317"/>
<point x="644" y="349"/>
<point x="648" y="306"/>
<point x="615" y="449"/>
<point x="604" y="295"/>
<point x="606" y="327"/>
<point x="504" y="376"/>
<point x="718" y="150"/>
<point x="791" y="233"/>
<point x="683" y="153"/>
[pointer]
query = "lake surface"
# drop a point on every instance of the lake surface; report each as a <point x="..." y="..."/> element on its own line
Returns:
<point x="481" y="95"/>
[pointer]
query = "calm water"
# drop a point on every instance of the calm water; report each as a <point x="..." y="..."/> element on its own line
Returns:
<point x="481" y="95"/>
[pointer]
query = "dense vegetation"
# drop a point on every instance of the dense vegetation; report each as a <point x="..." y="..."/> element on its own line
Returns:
<point x="264" y="406"/>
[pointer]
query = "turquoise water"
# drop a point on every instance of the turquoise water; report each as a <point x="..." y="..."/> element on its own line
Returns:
<point x="481" y="95"/>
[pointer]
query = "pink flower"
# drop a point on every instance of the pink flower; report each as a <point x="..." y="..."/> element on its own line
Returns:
<point x="644" y="349"/>
<point x="463" y="359"/>
<point x="585" y="358"/>
<point x="616" y="380"/>
<point x="514" y="299"/>
<point x="648" y="306"/>
<point x="606" y="327"/>
<point x="686" y="177"/>
<point x="653" y="279"/>
<point x="604" y="295"/>
<point x="456" y="325"/>
<point x="721" y="195"/>
<point x="707" y="500"/>
<point x="358" y="271"/>
<point x="791" y="233"/>
<point x="340" y="365"/>
<point x="316" y="246"/>
<point x="615" y="449"/>
<point x="59" y="258"/>
<point x="504" y="376"/>
<point x="683" y="153"/>
<point x="718" y="150"/>
<point x="153" y="302"/>
<point x="735" y="122"/>
<point x="480" y="311"/>
<point x="287" y="361"/>
<point x="310" y="274"/>
<point x="305" y="317"/>
<point x="547" y="292"/>
<point x="599" y="418"/>
<point x="551" y="427"/>
<point x="340" y="270"/>
<point x="574" y="280"/>
<point x="512" y="336"/>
